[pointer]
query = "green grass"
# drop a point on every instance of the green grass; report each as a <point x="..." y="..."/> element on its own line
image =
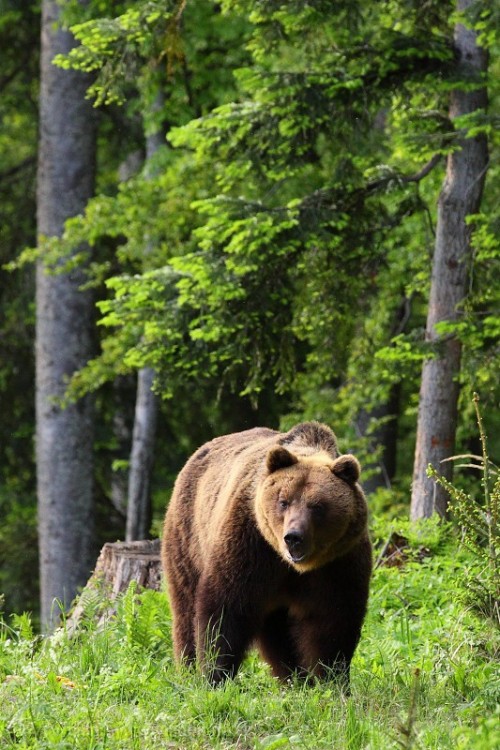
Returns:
<point x="425" y="675"/>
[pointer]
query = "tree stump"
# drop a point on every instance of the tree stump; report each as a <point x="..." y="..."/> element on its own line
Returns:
<point x="118" y="565"/>
<point x="121" y="563"/>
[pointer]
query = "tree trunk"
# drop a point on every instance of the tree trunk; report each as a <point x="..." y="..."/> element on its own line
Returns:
<point x="460" y="196"/>
<point x="141" y="460"/>
<point x="146" y="416"/>
<point x="63" y="330"/>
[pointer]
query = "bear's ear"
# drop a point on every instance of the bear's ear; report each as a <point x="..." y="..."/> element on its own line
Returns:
<point x="347" y="468"/>
<point x="280" y="458"/>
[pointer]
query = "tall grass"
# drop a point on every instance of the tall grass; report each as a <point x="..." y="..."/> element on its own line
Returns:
<point x="425" y="675"/>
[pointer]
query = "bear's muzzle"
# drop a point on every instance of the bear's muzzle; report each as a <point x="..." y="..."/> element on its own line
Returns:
<point x="296" y="545"/>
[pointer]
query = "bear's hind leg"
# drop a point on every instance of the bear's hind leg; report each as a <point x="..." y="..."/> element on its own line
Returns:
<point x="182" y="582"/>
<point x="276" y="644"/>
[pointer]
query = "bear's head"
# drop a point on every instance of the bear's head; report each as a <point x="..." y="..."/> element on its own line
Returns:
<point x="311" y="509"/>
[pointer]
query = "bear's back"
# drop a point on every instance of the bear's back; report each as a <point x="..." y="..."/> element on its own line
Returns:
<point x="239" y="452"/>
<point x="218" y="476"/>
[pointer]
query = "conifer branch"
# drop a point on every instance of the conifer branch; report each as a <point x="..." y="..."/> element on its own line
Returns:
<point x="426" y="169"/>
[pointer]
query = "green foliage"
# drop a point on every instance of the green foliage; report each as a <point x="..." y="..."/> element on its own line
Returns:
<point x="187" y="49"/>
<point x="143" y="622"/>
<point x="149" y="218"/>
<point x="285" y="242"/>
<point x="118" y="47"/>
<point x="479" y="523"/>
<point x="291" y="244"/>
<point x="116" y="685"/>
<point x="18" y="548"/>
<point x="281" y="261"/>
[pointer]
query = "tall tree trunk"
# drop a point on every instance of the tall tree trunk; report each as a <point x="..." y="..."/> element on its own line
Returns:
<point x="63" y="330"/>
<point x="146" y="416"/>
<point x="460" y="196"/>
<point x="141" y="459"/>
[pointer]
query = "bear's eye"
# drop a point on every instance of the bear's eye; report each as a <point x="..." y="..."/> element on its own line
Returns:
<point x="283" y="503"/>
<point x="318" y="510"/>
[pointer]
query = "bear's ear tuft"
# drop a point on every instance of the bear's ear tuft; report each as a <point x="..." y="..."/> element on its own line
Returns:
<point x="347" y="468"/>
<point x="280" y="458"/>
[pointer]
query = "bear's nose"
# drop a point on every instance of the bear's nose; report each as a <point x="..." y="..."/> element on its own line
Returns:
<point x="293" y="540"/>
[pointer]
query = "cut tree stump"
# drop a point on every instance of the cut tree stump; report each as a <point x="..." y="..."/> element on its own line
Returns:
<point x="121" y="563"/>
<point x="118" y="565"/>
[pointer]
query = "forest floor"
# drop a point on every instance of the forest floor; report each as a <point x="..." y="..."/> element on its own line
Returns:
<point x="425" y="675"/>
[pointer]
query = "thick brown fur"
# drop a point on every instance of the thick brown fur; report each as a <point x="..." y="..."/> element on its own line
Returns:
<point x="265" y="542"/>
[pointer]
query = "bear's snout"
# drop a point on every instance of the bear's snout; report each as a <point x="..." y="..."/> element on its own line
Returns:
<point x="296" y="545"/>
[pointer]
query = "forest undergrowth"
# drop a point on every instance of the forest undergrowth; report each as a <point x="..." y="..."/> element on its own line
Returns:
<point x="425" y="674"/>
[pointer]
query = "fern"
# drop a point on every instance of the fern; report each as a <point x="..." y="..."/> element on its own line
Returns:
<point x="478" y="522"/>
<point x="143" y="620"/>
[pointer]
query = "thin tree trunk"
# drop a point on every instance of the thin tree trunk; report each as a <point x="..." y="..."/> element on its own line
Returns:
<point x="139" y="511"/>
<point x="141" y="459"/>
<point x="63" y="330"/>
<point x="460" y="196"/>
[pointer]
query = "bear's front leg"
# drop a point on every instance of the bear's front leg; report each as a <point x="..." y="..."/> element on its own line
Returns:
<point x="326" y="651"/>
<point x="277" y="645"/>
<point x="330" y="607"/>
<point x="223" y="633"/>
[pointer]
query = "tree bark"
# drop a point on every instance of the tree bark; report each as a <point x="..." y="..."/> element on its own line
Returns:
<point x="64" y="437"/>
<point x="120" y="563"/>
<point x="460" y="196"/>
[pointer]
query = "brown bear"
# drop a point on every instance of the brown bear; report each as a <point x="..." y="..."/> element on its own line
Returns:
<point x="266" y="542"/>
